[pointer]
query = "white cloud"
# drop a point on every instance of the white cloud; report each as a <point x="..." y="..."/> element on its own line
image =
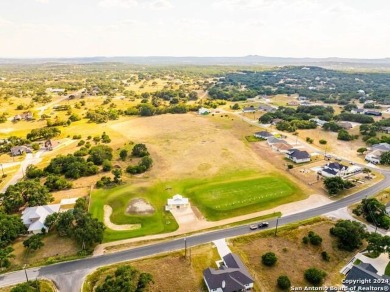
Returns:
<point x="160" y="4"/>
<point x="119" y="3"/>
<point x="42" y="1"/>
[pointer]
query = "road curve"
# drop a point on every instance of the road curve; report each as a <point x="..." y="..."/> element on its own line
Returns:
<point x="70" y="275"/>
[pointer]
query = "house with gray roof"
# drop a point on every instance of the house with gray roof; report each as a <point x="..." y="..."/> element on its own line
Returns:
<point x="263" y="135"/>
<point x="250" y="109"/>
<point x="267" y="108"/>
<point x="298" y="156"/>
<point x="364" y="277"/>
<point x="19" y="150"/>
<point x="232" y="276"/>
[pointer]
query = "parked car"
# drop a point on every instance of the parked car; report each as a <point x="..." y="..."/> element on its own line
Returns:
<point x="253" y="227"/>
<point x="263" y="224"/>
<point x="337" y="158"/>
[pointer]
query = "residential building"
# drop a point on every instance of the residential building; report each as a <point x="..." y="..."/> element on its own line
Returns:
<point x="273" y="140"/>
<point x="34" y="217"/>
<point x="263" y="135"/>
<point x="373" y="113"/>
<point x="364" y="277"/>
<point x="177" y="202"/>
<point x="281" y="147"/>
<point x="276" y="121"/>
<point x="333" y="169"/>
<point x="359" y="111"/>
<point x="319" y="122"/>
<point x="203" y="111"/>
<point x="250" y="109"/>
<point x="232" y="276"/>
<point x="345" y="125"/>
<point x="267" y="108"/>
<point x="376" y="150"/>
<point x="298" y="156"/>
<point x="19" y="150"/>
<point x="293" y="103"/>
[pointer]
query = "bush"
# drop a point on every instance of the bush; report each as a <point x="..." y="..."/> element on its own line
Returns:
<point x="284" y="282"/>
<point x="305" y="240"/>
<point x="107" y="165"/>
<point x="81" y="143"/>
<point x="139" y="150"/>
<point x="325" y="256"/>
<point x="315" y="276"/>
<point x="269" y="259"/>
<point x="314" y="238"/>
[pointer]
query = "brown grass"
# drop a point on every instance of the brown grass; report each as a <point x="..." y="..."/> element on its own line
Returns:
<point x="171" y="272"/>
<point x="294" y="257"/>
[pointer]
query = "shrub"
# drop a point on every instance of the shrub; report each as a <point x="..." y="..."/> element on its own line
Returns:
<point x="305" y="240"/>
<point x="284" y="282"/>
<point x="269" y="259"/>
<point x="314" y="238"/>
<point x="315" y="276"/>
<point x="325" y="256"/>
<point x="107" y="165"/>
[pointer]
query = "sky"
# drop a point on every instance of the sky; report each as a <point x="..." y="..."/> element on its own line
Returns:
<point x="280" y="28"/>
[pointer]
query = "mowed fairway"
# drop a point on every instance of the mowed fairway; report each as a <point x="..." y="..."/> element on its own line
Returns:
<point x="233" y="198"/>
<point x="118" y="198"/>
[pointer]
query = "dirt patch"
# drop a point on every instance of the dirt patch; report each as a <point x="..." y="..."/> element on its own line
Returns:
<point x="109" y="224"/>
<point x="139" y="207"/>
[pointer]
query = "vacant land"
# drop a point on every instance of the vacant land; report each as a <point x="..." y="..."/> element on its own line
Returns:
<point x="44" y="286"/>
<point x="55" y="249"/>
<point x="204" y="158"/>
<point x="166" y="269"/>
<point x="287" y="246"/>
<point x="294" y="257"/>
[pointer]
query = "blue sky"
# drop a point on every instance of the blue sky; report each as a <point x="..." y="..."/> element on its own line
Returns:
<point x="288" y="28"/>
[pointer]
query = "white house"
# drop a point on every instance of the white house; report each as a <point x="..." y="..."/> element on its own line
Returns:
<point x="337" y="169"/>
<point x="34" y="217"/>
<point x="298" y="156"/>
<point x="232" y="276"/>
<point x="359" y="111"/>
<point x="374" y="156"/>
<point x="177" y="202"/>
<point x="203" y="111"/>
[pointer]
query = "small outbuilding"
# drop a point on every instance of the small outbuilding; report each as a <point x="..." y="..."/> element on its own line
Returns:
<point x="177" y="202"/>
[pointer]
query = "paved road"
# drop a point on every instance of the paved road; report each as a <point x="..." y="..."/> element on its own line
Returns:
<point x="69" y="275"/>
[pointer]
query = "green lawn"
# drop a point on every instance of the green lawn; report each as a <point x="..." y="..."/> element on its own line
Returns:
<point x="221" y="197"/>
<point x="118" y="198"/>
<point x="387" y="270"/>
<point x="241" y="195"/>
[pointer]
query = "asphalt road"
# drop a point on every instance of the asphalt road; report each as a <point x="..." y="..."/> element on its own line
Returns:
<point x="69" y="276"/>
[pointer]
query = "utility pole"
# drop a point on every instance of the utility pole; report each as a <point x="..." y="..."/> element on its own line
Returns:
<point x="185" y="247"/>
<point x="277" y="223"/>
<point x="25" y="272"/>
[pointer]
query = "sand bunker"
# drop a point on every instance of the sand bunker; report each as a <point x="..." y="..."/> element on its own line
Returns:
<point x="139" y="207"/>
<point x="109" y="224"/>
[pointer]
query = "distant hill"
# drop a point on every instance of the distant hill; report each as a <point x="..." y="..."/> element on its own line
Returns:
<point x="247" y="60"/>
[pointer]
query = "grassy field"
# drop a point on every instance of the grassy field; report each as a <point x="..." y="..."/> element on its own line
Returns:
<point x="165" y="269"/>
<point x="118" y="198"/>
<point x="44" y="286"/>
<point x="240" y="193"/>
<point x="287" y="245"/>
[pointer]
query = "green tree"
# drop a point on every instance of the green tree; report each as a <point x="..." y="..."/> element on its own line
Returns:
<point x="361" y="150"/>
<point x="344" y="135"/>
<point x="107" y="165"/>
<point x="315" y="276"/>
<point x="269" y="259"/>
<point x="314" y="238"/>
<point x="284" y="282"/>
<point x="5" y="256"/>
<point x="88" y="230"/>
<point x="117" y="172"/>
<point x="336" y="184"/>
<point x="34" y="242"/>
<point x="57" y="183"/>
<point x="28" y="193"/>
<point x="385" y="158"/>
<point x="30" y="286"/>
<point x="100" y="153"/>
<point x="350" y="234"/>
<point x="139" y="150"/>
<point x="126" y="278"/>
<point x="33" y="172"/>
<point x="11" y="226"/>
<point x="123" y="154"/>
<point x="323" y="142"/>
